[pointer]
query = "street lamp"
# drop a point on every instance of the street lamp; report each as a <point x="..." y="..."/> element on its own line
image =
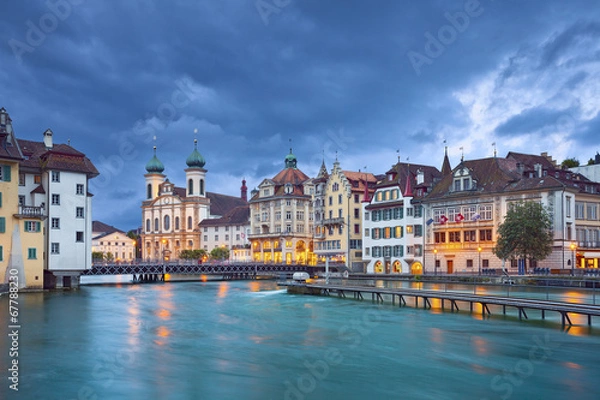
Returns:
<point x="573" y="247"/>
<point x="479" y="263"/>
<point x="435" y="262"/>
<point x="162" y="251"/>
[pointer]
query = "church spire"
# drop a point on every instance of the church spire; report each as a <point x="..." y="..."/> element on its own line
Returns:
<point x="446" y="169"/>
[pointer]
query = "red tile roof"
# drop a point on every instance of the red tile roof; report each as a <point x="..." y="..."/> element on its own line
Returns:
<point x="61" y="157"/>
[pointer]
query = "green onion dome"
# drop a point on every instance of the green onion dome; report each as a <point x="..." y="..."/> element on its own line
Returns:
<point x="154" y="165"/>
<point x="195" y="159"/>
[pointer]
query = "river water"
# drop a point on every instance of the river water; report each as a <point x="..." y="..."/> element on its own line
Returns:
<point x="252" y="340"/>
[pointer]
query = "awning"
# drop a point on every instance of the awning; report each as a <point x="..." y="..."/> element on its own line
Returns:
<point x="591" y="254"/>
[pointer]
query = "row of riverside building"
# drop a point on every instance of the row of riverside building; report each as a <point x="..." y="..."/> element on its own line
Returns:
<point x="410" y="219"/>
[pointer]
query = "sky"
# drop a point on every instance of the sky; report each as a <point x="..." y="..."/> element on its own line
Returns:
<point x="368" y="82"/>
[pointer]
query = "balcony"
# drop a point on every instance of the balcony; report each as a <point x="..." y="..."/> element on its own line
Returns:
<point x="333" y="221"/>
<point x="31" y="212"/>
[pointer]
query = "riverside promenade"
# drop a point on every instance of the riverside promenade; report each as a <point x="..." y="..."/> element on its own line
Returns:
<point x="454" y="299"/>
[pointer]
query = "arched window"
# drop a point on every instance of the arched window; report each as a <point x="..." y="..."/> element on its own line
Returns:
<point x="176" y="223"/>
<point x="189" y="222"/>
<point x="156" y="224"/>
<point x="167" y="223"/>
<point x="190" y="187"/>
<point x="202" y="187"/>
<point x="149" y="191"/>
<point x="148" y="227"/>
<point x="190" y="244"/>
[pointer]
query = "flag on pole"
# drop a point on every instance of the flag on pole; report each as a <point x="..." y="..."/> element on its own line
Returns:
<point x="443" y="219"/>
<point x="476" y="217"/>
<point x="459" y="218"/>
<point x="430" y="221"/>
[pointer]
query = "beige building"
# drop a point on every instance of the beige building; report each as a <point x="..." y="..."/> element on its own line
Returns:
<point x="338" y="224"/>
<point x="281" y="217"/>
<point x="113" y="243"/>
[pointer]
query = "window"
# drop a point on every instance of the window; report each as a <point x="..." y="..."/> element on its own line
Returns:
<point x="32" y="226"/>
<point x="439" y="237"/>
<point x="356" y="213"/>
<point x="21" y="200"/>
<point x="339" y="199"/>
<point x="418" y="211"/>
<point x="387" y="214"/>
<point x="375" y="233"/>
<point x="376" y="215"/>
<point x="300" y="228"/>
<point x="205" y="238"/>
<point x="340" y="213"/>
<point x="56" y="199"/>
<point x="167" y="222"/>
<point x="568" y="207"/>
<point x="37" y="179"/>
<point x="387" y="232"/>
<point x="149" y="191"/>
<point x="31" y="253"/>
<point x="189" y="223"/>
<point x="216" y="238"/>
<point x="277" y="215"/>
<point x="418" y="230"/>
<point x="79" y="237"/>
<point x="457" y="185"/>
<point x="356" y="198"/>
<point x="55" y="223"/>
<point x="398" y="213"/>
<point x="300" y="215"/>
<point x="454" y="237"/>
<point x="485" y="235"/>
<point x="55" y="248"/>
<point x="486" y="212"/>
<point x="79" y="212"/>
<point x="469" y="236"/>
<point x="367" y="231"/>
<point x="356" y="228"/>
<point x="469" y="263"/>
<point x="409" y="211"/>
<point x="176" y="223"/>
<point x="288" y="215"/>
<point x="330" y="200"/>
<point x="466" y="183"/>
<point x="468" y="213"/>
<point x="592" y="212"/>
<point x="55" y="176"/>
<point x="5" y="173"/>
<point x="366" y="215"/>
<point x="216" y="229"/>
<point x="156" y="225"/>
<point x="21" y="179"/>
<point x="579" y="210"/>
<point x="148" y="225"/>
<point x="398" y="251"/>
<point x="237" y="236"/>
<point x="79" y="189"/>
<point x="190" y="187"/>
<point x="398" y="232"/>
<point x="226" y="237"/>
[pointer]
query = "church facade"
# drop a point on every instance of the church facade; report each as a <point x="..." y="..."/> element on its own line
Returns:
<point x="171" y="215"/>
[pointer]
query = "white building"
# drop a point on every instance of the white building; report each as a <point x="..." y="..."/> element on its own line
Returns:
<point x="55" y="178"/>
<point x="393" y="225"/>
<point x="230" y="231"/>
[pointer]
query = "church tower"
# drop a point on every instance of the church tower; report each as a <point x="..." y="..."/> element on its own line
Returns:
<point x="195" y="174"/>
<point x="154" y="176"/>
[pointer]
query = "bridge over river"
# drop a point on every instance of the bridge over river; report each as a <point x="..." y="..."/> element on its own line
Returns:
<point x="156" y="271"/>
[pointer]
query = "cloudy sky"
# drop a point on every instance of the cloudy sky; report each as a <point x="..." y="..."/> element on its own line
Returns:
<point x="366" y="80"/>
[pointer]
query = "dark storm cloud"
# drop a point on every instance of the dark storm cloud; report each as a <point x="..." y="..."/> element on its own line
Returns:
<point x="332" y="76"/>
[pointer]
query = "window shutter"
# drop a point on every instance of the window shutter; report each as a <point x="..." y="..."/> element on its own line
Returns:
<point x="0" y="199"/>
<point x="2" y="225"/>
<point x="38" y="226"/>
<point x="1" y="253"/>
<point x="6" y="173"/>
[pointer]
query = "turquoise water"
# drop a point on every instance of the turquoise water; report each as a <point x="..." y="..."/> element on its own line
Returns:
<point x="252" y="340"/>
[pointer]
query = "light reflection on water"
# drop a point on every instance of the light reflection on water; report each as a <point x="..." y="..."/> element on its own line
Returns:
<point x="252" y="340"/>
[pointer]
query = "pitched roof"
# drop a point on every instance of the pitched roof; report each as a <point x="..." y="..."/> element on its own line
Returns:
<point x="221" y="204"/>
<point x="60" y="157"/>
<point x="101" y="227"/>
<point x="238" y="216"/>
<point x="401" y="172"/>
<point x="290" y="175"/>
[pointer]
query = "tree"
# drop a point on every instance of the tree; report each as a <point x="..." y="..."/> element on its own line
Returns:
<point x="97" y="256"/>
<point x="219" y="253"/>
<point x="570" y="163"/>
<point x="525" y="233"/>
<point x="192" y="254"/>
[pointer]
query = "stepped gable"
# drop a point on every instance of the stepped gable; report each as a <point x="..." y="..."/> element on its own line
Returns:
<point x="238" y="216"/>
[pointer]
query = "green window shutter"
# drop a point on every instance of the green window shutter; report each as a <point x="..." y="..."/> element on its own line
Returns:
<point x="2" y="225"/>
<point x="38" y="226"/>
<point x="32" y="253"/>
<point x="0" y="199"/>
<point x="1" y="253"/>
<point x="6" y="173"/>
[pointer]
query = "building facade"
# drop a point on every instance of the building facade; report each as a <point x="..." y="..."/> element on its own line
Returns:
<point x="281" y="217"/>
<point x="338" y="216"/>
<point x="231" y="232"/>
<point x="113" y="243"/>
<point x="393" y="220"/>
<point x="171" y="215"/>
<point x="466" y="207"/>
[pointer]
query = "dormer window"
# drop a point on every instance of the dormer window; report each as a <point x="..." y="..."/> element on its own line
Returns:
<point x="462" y="181"/>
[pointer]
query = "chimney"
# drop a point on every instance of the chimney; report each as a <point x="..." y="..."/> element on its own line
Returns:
<point x="244" y="190"/>
<point x="48" y="139"/>
<point x="538" y="170"/>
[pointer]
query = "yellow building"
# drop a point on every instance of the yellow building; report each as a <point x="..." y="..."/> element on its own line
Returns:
<point x="281" y="217"/>
<point x="338" y="225"/>
<point x="21" y="226"/>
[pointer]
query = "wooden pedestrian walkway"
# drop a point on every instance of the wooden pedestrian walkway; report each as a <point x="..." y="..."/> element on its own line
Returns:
<point x="424" y="296"/>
